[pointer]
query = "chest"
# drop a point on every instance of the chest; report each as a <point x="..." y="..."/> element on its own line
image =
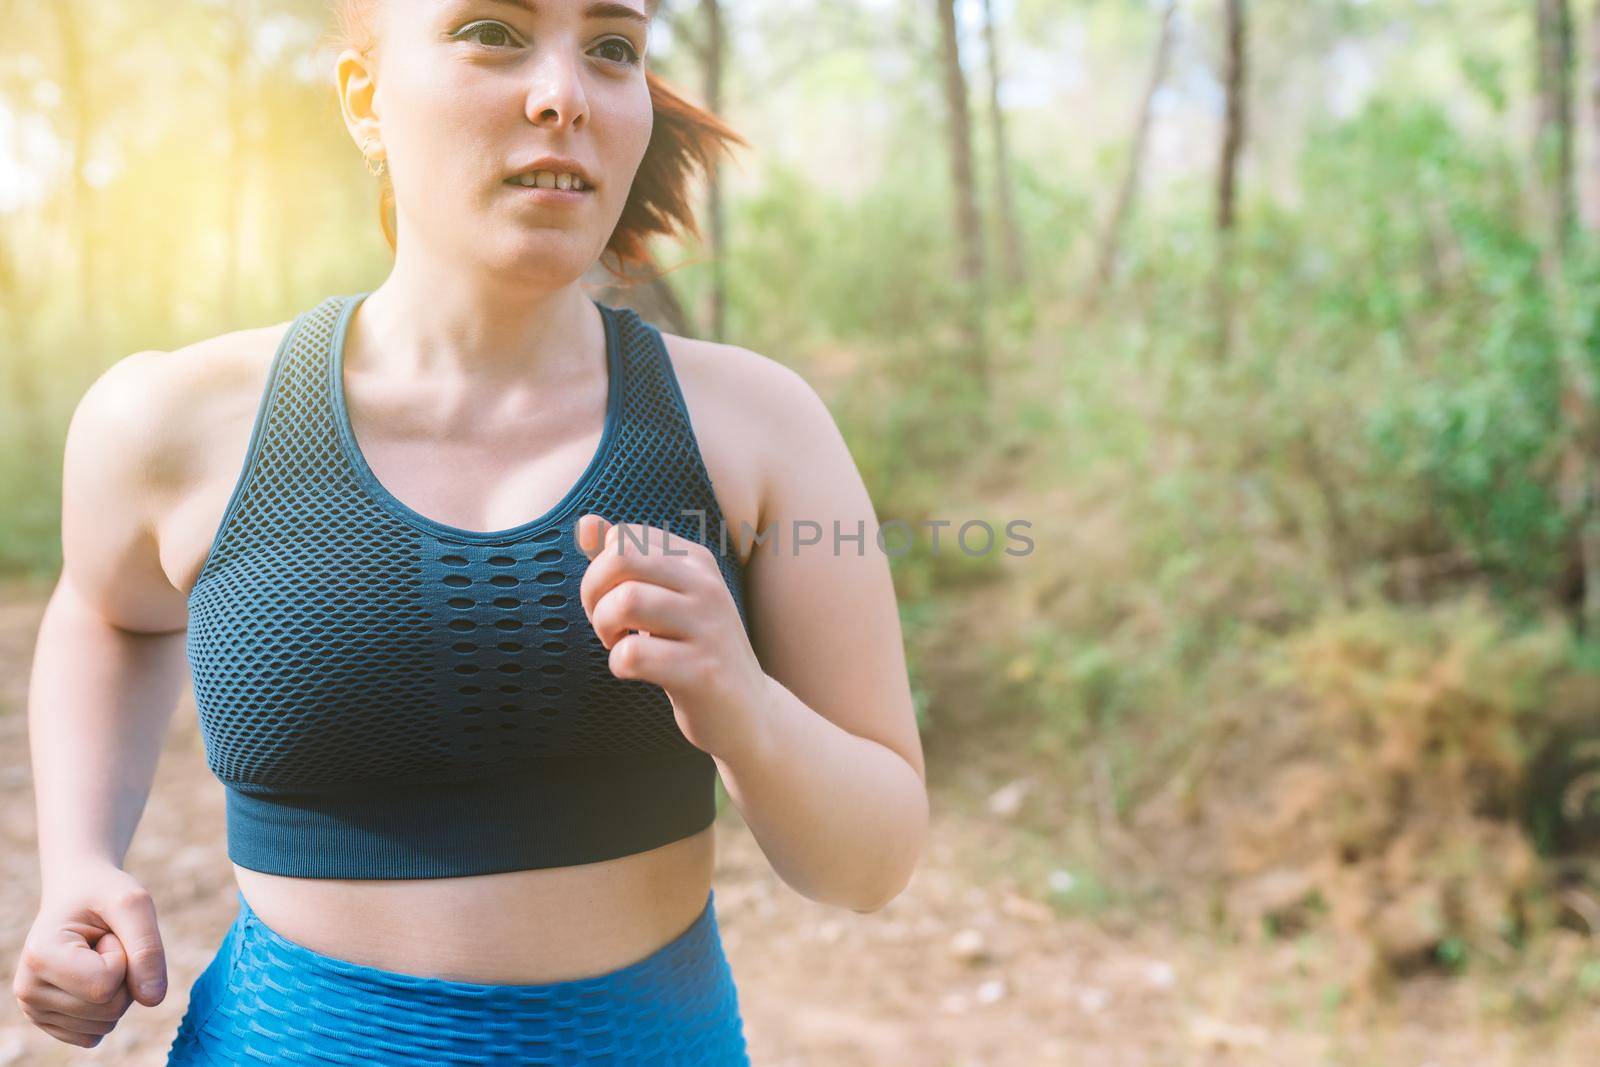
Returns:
<point x="321" y="657"/>
<point x="336" y="635"/>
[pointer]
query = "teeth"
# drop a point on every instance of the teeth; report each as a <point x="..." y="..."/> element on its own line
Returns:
<point x="545" y="179"/>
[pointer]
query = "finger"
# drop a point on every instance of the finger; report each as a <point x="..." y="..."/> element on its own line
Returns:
<point x="71" y="1037"/>
<point x="92" y="1027"/>
<point x="49" y="998"/>
<point x="590" y="533"/>
<point x="638" y="538"/>
<point x="651" y="563"/>
<point x="65" y="959"/>
<point x="132" y="917"/>
<point x="648" y="658"/>
<point x="636" y="605"/>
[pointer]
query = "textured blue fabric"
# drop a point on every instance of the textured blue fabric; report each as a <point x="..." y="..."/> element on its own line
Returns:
<point x="387" y="696"/>
<point x="266" y="999"/>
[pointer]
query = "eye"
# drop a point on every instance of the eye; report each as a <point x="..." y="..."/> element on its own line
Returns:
<point x="628" y="55"/>
<point x="477" y="29"/>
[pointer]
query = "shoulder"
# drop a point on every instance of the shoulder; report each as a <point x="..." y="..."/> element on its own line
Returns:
<point x="136" y="448"/>
<point x="754" y="415"/>
<point x="153" y="413"/>
<point x="770" y="397"/>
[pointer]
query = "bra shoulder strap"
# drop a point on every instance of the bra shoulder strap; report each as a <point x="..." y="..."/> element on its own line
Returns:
<point x="291" y="440"/>
<point x="665" y="476"/>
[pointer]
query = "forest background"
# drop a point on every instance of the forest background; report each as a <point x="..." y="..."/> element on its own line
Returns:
<point x="1278" y="322"/>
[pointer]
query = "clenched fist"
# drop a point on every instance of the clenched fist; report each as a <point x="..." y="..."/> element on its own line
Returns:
<point x="93" y="949"/>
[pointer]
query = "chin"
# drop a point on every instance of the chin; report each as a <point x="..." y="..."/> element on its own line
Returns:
<point x="545" y="259"/>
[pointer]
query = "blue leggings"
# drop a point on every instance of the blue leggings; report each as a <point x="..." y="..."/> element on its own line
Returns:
<point x="266" y="999"/>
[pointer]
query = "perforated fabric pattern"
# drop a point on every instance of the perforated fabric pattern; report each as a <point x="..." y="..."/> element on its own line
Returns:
<point x="265" y="999"/>
<point x="334" y="641"/>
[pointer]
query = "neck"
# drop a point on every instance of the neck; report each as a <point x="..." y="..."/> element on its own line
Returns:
<point x="426" y="321"/>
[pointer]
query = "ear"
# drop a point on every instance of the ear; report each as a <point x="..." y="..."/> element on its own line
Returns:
<point x="355" y="80"/>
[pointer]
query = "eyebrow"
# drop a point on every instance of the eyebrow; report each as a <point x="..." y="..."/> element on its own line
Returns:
<point x="601" y="9"/>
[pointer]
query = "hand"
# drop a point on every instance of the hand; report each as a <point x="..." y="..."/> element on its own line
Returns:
<point x="659" y="603"/>
<point x="92" y="950"/>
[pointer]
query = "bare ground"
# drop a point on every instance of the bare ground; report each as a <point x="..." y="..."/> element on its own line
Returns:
<point x="970" y="966"/>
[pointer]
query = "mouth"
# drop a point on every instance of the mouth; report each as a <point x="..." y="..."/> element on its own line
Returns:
<point x="562" y="180"/>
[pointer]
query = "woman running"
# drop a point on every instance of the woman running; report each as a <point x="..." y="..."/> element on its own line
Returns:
<point x="481" y="584"/>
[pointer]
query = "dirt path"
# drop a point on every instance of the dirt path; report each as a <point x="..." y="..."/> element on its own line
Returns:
<point x="966" y="968"/>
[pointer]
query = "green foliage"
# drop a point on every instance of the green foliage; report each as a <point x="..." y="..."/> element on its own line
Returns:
<point x="1395" y="390"/>
<point x="805" y="265"/>
<point x="1384" y="435"/>
<point x="1438" y="264"/>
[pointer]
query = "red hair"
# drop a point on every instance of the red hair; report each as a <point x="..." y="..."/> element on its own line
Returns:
<point x="685" y="138"/>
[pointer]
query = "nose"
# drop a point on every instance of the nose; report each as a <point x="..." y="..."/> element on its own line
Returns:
<point x="556" y="97"/>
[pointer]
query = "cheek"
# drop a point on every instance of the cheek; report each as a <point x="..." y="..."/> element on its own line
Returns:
<point x="429" y="91"/>
<point x="452" y="99"/>
<point x="444" y="133"/>
<point x="643" y="116"/>
<point x="624" y="128"/>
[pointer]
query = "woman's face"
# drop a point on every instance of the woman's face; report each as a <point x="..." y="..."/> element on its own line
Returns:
<point x="468" y="93"/>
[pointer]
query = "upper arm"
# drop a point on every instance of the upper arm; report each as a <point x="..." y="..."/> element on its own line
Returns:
<point x="112" y="475"/>
<point x="824" y="620"/>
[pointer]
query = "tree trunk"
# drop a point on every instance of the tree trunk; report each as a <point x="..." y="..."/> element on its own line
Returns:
<point x="711" y="65"/>
<point x="1128" y="189"/>
<point x="78" y="109"/>
<point x="1013" y="260"/>
<point x="236" y="169"/>
<point x="25" y="400"/>
<point x="1579" y="468"/>
<point x="969" y="229"/>
<point x="1233" y="133"/>
<point x="1553" y="146"/>
<point x="1592" y="178"/>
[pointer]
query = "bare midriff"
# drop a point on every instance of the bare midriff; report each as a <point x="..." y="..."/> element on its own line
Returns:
<point x="508" y="928"/>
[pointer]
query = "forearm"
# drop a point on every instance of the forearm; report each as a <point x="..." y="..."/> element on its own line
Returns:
<point x="841" y="818"/>
<point x="99" y="702"/>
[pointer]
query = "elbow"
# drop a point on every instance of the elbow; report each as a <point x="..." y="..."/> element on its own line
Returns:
<point x="895" y="877"/>
<point x="890" y="884"/>
<point x="880" y="901"/>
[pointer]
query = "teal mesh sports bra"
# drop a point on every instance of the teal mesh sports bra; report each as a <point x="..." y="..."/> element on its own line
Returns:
<point x="386" y="696"/>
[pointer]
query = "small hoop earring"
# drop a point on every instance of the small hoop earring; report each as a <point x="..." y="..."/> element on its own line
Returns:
<point x="367" y="159"/>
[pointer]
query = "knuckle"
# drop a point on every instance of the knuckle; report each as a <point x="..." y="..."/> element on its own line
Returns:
<point x="613" y="537"/>
<point x="147" y="951"/>
<point x="132" y="896"/>
<point x="31" y="960"/>
<point x="708" y="582"/>
<point x="151" y="965"/>
<point x="100" y="990"/>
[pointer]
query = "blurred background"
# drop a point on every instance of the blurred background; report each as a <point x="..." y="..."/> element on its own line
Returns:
<point x="1277" y="321"/>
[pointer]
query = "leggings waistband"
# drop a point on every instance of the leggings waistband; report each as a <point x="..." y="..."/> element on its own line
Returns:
<point x="266" y="999"/>
<point x="698" y="942"/>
